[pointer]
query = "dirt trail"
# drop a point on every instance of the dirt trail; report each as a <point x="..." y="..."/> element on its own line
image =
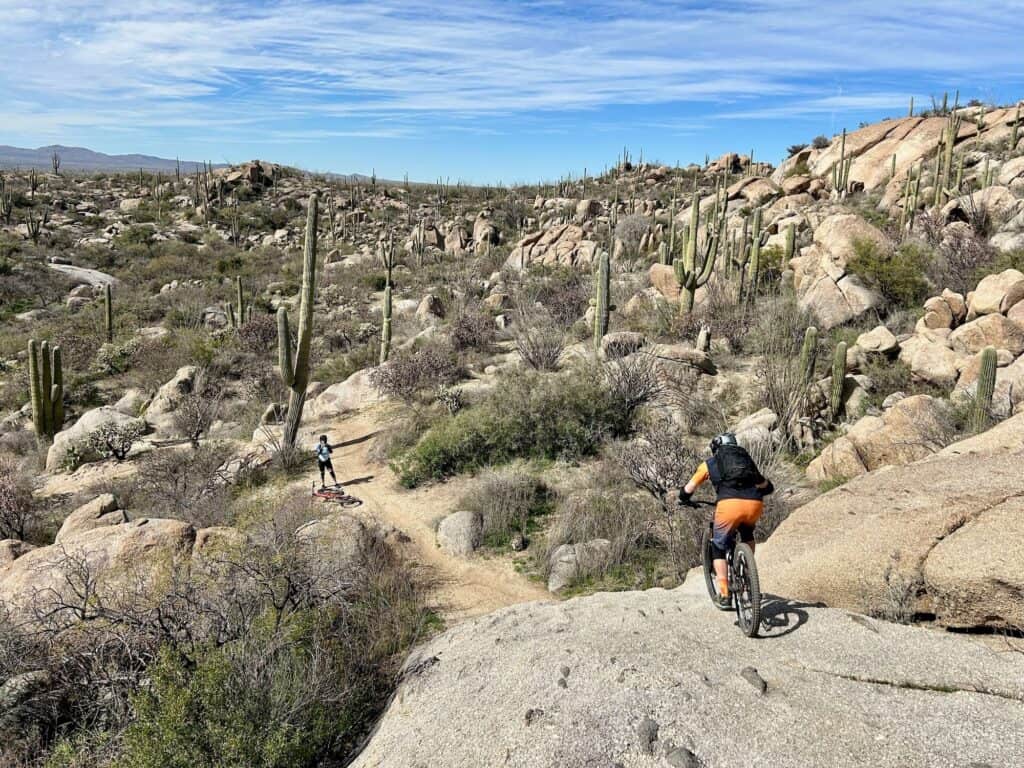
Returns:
<point x="463" y="588"/>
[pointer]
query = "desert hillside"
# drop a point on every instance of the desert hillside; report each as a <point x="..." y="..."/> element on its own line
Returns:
<point x="514" y="382"/>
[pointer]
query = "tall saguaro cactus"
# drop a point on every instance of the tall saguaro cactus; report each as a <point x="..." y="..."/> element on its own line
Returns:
<point x="387" y="257"/>
<point x="602" y="285"/>
<point x="295" y="370"/>
<point x="982" y="410"/>
<point x="46" y="385"/>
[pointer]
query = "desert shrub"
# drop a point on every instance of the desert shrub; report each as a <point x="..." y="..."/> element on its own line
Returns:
<point x="898" y="276"/>
<point x="777" y="340"/>
<point x="409" y="373"/>
<point x="632" y="383"/>
<point x="527" y="416"/>
<point x="630" y="231"/>
<point x="274" y="652"/>
<point x="820" y="142"/>
<point x="889" y="376"/>
<point x="19" y="517"/>
<point x="659" y="460"/>
<point x="793" y="149"/>
<point x="198" y="409"/>
<point x="114" y="441"/>
<point x="189" y="485"/>
<point x="606" y="513"/>
<point x="563" y="292"/>
<point x="539" y="340"/>
<point x="961" y="260"/>
<point x="258" y="334"/>
<point x="509" y="501"/>
<point x="472" y="329"/>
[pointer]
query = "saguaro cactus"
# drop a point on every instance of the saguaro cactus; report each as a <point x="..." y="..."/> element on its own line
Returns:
<point x="602" y="285"/>
<point x="688" y="274"/>
<point x="809" y="354"/>
<point x="46" y="385"/>
<point x="835" y="401"/>
<point x="239" y="306"/>
<point x="982" y="410"/>
<point x="108" y="312"/>
<point x="295" y="370"/>
<point x="387" y="257"/>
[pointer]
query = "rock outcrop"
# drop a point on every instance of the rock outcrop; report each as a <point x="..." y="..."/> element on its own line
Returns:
<point x="660" y="678"/>
<point x="869" y="545"/>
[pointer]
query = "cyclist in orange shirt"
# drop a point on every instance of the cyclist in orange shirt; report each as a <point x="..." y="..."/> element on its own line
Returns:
<point x="741" y="489"/>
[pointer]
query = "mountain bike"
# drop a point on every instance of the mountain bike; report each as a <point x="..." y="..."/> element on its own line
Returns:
<point x="744" y="585"/>
<point x="336" y="494"/>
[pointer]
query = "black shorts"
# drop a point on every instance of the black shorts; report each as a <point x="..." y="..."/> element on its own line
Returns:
<point x="325" y="465"/>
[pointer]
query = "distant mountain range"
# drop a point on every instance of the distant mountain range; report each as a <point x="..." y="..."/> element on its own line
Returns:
<point x="82" y="159"/>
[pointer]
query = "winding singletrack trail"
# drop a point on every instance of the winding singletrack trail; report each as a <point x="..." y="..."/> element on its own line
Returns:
<point x="460" y="588"/>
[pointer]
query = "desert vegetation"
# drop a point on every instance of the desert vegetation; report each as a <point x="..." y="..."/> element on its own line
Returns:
<point x="559" y="354"/>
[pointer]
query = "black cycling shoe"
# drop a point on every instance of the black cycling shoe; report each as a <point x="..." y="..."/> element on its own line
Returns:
<point x="724" y="603"/>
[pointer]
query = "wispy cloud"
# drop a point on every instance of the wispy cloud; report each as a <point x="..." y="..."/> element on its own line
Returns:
<point x="314" y="69"/>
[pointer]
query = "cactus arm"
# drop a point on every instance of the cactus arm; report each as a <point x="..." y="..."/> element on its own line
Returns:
<point x="240" y="300"/>
<point x="385" y="331"/>
<point x="57" y="392"/>
<point x="45" y="386"/>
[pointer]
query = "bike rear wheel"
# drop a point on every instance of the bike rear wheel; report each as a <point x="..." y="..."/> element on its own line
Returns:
<point x="747" y="590"/>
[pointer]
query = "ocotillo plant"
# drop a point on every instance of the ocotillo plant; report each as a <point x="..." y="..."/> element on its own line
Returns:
<point x="602" y="285"/>
<point x="239" y="306"/>
<point x="108" y="312"/>
<point x="295" y="370"/>
<point x="835" y="401"/>
<point x="981" y="412"/>
<point x="46" y="385"/>
<point x="387" y="257"/>
<point x="809" y="354"/>
<point x="688" y="274"/>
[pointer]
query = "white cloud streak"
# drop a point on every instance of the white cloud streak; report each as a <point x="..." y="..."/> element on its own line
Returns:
<point x="308" y="69"/>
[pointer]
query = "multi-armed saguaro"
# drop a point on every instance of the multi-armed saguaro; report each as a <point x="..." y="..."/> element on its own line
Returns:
<point x="387" y="257"/>
<point x="688" y="274"/>
<point x="295" y="370"/>
<point x="46" y="385"/>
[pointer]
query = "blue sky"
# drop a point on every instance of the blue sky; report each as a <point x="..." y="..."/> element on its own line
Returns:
<point x="484" y="91"/>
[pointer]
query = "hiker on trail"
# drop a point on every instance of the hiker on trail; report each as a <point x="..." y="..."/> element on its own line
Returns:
<point x="323" y="459"/>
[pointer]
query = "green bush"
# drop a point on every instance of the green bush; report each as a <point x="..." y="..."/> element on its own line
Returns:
<point x="899" y="276"/>
<point x="529" y="415"/>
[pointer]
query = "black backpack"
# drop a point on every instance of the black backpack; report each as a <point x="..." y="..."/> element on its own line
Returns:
<point x="735" y="467"/>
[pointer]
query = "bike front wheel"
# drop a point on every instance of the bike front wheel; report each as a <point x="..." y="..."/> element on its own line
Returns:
<point x="709" y="566"/>
<point x="747" y="590"/>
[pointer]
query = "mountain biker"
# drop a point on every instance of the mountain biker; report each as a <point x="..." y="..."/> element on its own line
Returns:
<point x="741" y="489"/>
<point x="323" y="459"/>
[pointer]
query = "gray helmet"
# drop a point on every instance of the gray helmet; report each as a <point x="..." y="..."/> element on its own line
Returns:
<point x="726" y="438"/>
